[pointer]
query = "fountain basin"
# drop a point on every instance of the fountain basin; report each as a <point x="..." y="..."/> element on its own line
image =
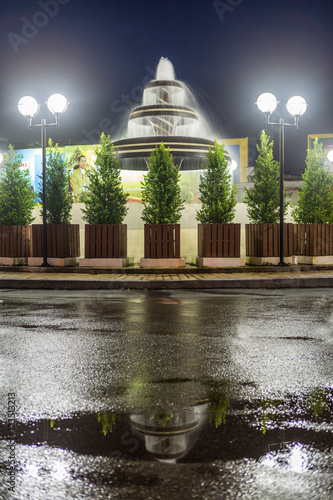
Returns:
<point x="189" y="153"/>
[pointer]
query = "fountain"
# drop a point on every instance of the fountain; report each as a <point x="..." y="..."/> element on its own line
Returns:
<point x="169" y="113"/>
<point x="169" y="436"/>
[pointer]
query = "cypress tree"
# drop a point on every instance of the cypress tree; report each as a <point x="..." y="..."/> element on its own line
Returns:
<point x="263" y="199"/>
<point x="217" y="197"/>
<point x="105" y="202"/>
<point x="161" y="193"/>
<point x="58" y="200"/>
<point x="17" y="198"/>
<point x="315" y="203"/>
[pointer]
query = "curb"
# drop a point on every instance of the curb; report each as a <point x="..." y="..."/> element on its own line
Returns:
<point x="196" y="284"/>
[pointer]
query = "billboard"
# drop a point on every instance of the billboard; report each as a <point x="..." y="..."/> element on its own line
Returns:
<point x="326" y="140"/>
<point x="81" y="158"/>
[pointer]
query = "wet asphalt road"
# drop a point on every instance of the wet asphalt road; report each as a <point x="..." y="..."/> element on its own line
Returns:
<point x="167" y="394"/>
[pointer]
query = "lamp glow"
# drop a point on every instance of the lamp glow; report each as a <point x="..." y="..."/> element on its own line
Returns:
<point x="232" y="166"/>
<point x="28" y="106"/>
<point x="57" y="104"/>
<point x="267" y="102"/>
<point x="296" y="105"/>
<point x="330" y="156"/>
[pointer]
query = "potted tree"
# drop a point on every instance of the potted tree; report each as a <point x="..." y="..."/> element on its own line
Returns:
<point x="161" y="197"/>
<point x="105" y="210"/>
<point x="218" y="238"/>
<point x="313" y="214"/>
<point x="17" y="201"/>
<point x="63" y="238"/>
<point x="263" y="208"/>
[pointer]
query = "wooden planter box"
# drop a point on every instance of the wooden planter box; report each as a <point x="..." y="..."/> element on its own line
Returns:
<point x="63" y="244"/>
<point x="105" y="245"/>
<point x="219" y="245"/>
<point x="162" y="246"/>
<point x="14" y="244"/>
<point x="263" y="243"/>
<point x="313" y="243"/>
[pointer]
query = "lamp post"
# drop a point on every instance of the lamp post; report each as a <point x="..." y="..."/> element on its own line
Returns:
<point x="29" y="108"/>
<point x="296" y="106"/>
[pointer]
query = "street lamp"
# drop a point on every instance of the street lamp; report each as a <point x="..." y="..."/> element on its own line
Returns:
<point x="29" y="108"/>
<point x="296" y="106"/>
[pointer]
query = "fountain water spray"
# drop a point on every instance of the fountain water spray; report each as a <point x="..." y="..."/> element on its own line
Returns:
<point x="168" y="114"/>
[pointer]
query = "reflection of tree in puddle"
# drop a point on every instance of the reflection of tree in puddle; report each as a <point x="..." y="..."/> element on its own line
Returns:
<point x="315" y="406"/>
<point x="318" y="401"/>
<point x="219" y="402"/>
<point x="108" y="419"/>
<point x="268" y="412"/>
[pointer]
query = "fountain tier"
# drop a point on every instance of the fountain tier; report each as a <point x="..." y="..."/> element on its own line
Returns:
<point x="167" y="115"/>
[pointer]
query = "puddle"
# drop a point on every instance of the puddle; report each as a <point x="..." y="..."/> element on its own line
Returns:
<point x="227" y="444"/>
<point x="219" y="427"/>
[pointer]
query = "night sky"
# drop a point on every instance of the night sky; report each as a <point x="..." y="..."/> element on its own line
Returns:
<point x="99" y="54"/>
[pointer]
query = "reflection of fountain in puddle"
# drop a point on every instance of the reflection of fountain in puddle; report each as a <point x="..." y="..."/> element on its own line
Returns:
<point x="168" y="437"/>
<point x="162" y="426"/>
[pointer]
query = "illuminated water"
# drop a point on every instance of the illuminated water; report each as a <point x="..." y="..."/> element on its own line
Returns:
<point x="168" y="108"/>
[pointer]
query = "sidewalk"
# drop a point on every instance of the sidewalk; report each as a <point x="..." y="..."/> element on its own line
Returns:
<point x="153" y="279"/>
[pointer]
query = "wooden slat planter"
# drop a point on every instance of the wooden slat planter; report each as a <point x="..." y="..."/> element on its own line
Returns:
<point x="162" y="245"/>
<point x="263" y="242"/>
<point x="219" y="240"/>
<point x="219" y="245"/>
<point x="313" y="243"/>
<point x="63" y="244"/>
<point x="105" y="241"/>
<point x="14" y="244"/>
<point x="105" y="246"/>
<point x="162" y="241"/>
